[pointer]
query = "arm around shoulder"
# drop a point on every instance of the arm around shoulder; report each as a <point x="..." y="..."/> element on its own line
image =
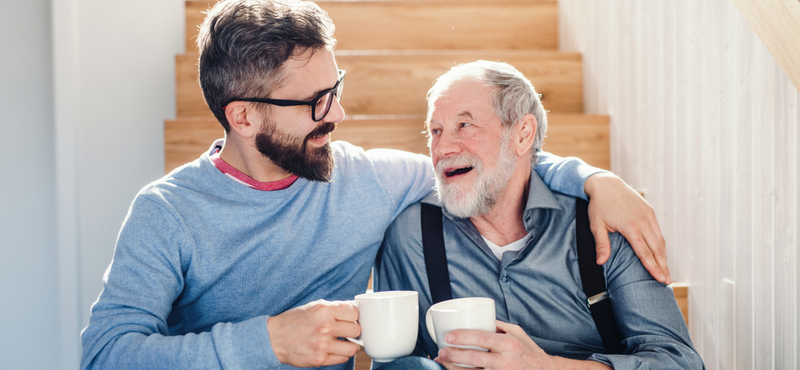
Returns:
<point x="564" y="175"/>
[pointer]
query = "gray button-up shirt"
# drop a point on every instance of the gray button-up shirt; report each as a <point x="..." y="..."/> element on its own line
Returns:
<point x="539" y="288"/>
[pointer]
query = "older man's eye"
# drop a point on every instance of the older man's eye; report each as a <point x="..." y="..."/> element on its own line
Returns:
<point x="464" y="124"/>
<point x="434" y="131"/>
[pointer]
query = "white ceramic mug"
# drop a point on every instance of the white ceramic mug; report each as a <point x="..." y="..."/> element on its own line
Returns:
<point x="463" y="313"/>
<point x="389" y="322"/>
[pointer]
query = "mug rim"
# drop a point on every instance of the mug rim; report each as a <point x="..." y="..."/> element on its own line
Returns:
<point x="387" y="294"/>
<point x="475" y="302"/>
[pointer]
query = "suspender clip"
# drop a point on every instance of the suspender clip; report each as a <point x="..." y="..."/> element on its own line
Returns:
<point x="597" y="298"/>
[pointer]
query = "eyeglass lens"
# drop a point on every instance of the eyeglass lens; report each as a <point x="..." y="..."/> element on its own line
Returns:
<point x="325" y="102"/>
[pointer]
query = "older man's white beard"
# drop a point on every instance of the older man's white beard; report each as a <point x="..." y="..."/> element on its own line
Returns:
<point x="466" y="200"/>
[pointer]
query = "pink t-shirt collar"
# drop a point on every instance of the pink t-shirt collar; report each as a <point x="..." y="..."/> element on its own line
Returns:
<point x="242" y="178"/>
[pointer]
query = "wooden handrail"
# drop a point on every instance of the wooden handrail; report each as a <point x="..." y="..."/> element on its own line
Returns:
<point x="777" y="23"/>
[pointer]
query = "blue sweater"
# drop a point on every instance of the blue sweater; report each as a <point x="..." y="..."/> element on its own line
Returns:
<point x="201" y="260"/>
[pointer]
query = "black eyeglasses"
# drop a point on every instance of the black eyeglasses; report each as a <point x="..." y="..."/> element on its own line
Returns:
<point x="319" y="105"/>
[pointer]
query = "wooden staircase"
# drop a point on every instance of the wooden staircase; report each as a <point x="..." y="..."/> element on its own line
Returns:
<point x="393" y="50"/>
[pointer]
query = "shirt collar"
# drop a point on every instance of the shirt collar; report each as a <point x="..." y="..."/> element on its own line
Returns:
<point x="540" y="199"/>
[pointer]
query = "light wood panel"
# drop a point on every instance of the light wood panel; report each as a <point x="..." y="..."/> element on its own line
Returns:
<point x="395" y="82"/>
<point x="707" y="121"/>
<point x="777" y="23"/>
<point x="585" y="136"/>
<point x="429" y="24"/>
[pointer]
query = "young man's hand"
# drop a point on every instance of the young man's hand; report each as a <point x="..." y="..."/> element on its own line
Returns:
<point x="307" y="336"/>
<point x="615" y="206"/>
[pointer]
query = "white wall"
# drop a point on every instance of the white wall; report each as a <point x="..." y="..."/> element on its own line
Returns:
<point x="28" y="299"/>
<point x="705" y="122"/>
<point x="116" y="88"/>
<point x="85" y="86"/>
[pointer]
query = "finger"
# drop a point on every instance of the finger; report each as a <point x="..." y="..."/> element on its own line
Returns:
<point x="447" y="365"/>
<point x="478" y="338"/>
<point x="345" y="329"/>
<point x="335" y="360"/>
<point x="512" y="330"/>
<point x="658" y="247"/>
<point x="502" y="327"/>
<point x="342" y="348"/>
<point x="344" y="311"/>
<point x="467" y="357"/>
<point x="602" y="243"/>
<point x="644" y="253"/>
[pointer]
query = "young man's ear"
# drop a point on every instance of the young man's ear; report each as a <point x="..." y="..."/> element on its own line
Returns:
<point x="240" y="115"/>
<point x="525" y="134"/>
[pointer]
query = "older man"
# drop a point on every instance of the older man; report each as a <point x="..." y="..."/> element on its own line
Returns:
<point x="238" y="259"/>
<point x="508" y="237"/>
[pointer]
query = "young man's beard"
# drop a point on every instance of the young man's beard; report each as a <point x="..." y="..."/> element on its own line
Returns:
<point x="293" y="154"/>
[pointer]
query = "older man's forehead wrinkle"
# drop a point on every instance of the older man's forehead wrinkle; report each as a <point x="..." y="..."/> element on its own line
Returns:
<point x="467" y="114"/>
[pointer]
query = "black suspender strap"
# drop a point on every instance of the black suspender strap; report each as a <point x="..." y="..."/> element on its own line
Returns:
<point x="435" y="256"/>
<point x="594" y="281"/>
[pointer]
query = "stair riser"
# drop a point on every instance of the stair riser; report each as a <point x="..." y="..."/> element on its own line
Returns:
<point x="440" y="24"/>
<point x="585" y="136"/>
<point x="397" y="84"/>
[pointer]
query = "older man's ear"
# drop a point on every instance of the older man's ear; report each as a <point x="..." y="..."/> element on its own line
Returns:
<point x="525" y="134"/>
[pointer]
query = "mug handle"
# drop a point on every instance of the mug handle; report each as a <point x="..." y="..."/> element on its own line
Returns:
<point x="429" y="324"/>
<point x="356" y="341"/>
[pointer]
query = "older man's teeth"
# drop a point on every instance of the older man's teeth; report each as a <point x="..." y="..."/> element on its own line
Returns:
<point x="459" y="171"/>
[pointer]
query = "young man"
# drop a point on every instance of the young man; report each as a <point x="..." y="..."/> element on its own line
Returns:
<point x="239" y="258"/>
<point x="510" y="238"/>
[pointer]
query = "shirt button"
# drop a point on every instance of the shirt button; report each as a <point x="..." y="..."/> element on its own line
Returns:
<point x="505" y="279"/>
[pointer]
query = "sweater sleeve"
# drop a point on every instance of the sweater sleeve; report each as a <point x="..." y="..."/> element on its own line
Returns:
<point x="128" y="328"/>
<point x="406" y="177"/>
<point x="564" y="175"/>
<point x="653" y="331"/>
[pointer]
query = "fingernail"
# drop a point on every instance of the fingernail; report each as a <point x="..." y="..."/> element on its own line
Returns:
<point x="669" y="279"/>
<point x="449" y="338"/>
<point x="442" y="354"/>
<point x="599" y="257"/>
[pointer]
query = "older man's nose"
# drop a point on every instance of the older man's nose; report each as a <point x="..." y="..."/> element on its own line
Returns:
<point x="448" y="144"/>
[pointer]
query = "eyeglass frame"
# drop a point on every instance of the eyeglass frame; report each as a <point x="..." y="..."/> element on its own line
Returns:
<point x="335" y="91"/>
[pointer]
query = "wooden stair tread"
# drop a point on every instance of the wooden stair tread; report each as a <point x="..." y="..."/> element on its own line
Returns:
<point x="395" y="82"/>
<point x="429" y="24"/>
<point x="585" y="136"/>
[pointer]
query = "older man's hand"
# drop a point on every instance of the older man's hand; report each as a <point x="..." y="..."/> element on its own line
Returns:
<point x="509" y="349"/>
<point x="615" y="206"/>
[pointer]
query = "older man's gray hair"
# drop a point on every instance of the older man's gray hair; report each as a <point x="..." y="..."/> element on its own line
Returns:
<point x="513" y="96"/>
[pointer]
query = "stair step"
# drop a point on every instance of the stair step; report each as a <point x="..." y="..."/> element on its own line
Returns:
<point x="396" y="82"/>
<point x="428" y="24"/>
<point x="584" y="136"/>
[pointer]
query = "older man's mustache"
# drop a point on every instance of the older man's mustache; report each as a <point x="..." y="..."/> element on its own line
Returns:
<point x="457" y="165"/>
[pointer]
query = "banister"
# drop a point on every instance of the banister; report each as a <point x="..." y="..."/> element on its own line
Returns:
<point x="777" y="24"/>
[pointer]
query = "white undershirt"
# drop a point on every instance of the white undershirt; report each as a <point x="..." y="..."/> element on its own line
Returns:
<point x="513" y="247"/>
